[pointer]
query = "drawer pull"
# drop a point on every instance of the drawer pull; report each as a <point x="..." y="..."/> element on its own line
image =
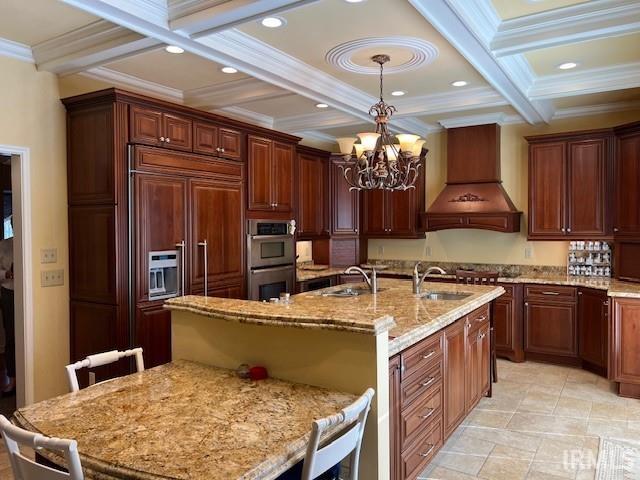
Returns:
<point x="424" y="417"/>
<point x="550" y="293"/>
<point x="429" y="355"/>
<point x="429" y="382"/>
<point x="428" y="452"/>
<point x="481" y="319"/>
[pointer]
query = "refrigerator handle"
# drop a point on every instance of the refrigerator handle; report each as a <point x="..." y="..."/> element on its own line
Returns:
<point x="206" y="265"/>
<point x="181" y="246"/>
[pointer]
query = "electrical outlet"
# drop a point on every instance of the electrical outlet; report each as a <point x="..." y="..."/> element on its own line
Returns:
<point x="427" y="251"/>
<point x="49" y="255"/>
<point x="380" y="250"/>
<point x="528" y="252"/>
<point x="51" y="278"/>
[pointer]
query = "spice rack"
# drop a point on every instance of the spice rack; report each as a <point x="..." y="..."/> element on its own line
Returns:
<point x="588" y="258"/>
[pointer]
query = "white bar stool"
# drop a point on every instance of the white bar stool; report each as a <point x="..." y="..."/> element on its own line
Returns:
<point x="100" y="359"/>
<point x="25" y="468"/>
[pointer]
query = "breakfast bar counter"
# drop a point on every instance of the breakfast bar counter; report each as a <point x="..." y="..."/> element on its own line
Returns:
<point x="185" y="420"/>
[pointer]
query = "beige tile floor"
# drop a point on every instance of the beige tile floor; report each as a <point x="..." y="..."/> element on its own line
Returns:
<point x="544" y="422"/>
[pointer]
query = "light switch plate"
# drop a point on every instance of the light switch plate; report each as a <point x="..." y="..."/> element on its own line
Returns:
<point x="427" y="251"/>
<point x="49" y="255"/>
<point x="51" y="278"/>
<point x="380" y="250"/>
<point x="528" y="252"/>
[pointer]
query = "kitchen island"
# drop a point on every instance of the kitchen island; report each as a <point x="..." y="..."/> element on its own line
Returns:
<point x="340" y="343"/>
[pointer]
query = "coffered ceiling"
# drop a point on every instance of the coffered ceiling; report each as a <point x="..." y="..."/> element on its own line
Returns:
<point x="507" y="51"/>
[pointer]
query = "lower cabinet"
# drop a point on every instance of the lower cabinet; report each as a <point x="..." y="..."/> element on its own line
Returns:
<point x="624" y="345"/>
<point x="153" y="334"/>
<point x="593" y="320"/>
<point x="433" y="385"/>
<point x="507" y="323"/>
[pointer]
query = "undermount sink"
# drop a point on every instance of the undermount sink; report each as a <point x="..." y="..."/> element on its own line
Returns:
<point x="433" y="295"/>
<point x="349" y="292"/>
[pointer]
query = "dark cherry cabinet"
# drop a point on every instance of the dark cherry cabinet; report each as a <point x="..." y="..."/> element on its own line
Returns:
<point x="271" y="173"/>
<point x="624" y="345"/>
<point x="455" y="351"/>
<point x="345" y="203"/>
<point x="570" y="185"/>
<point x="395" y="442"/>
<point x="593" y="324"/>
<point x="477" y="365"/>
<point x="627" y="181"/>
<point x="210" y="139"/>
<point x="394" y="214"/>
<point x="155" y="127"/>
<point x="550" y="321"/>
<point x="153" y="333"/>
<point x="313" y="193"/>
<point x="507" y="323"/>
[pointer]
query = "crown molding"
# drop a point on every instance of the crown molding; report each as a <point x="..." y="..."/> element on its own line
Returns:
<point x="451" y="101"/>
<point x="124" y="80"/>
<point x="481" y="119"/>
<point x="19" y="51"/>
<point x="583" y="82"/>
<point x="245" y="115"/>
<point x="575" y="23"/>
<point x="316" y="121"/>
<point x="459" y="22"/>
<point x="233" y="93"/>
<point x="596" y="109"/>
<point x="317" y="136"/>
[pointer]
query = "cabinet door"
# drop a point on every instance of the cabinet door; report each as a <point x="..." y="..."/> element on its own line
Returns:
<point x="230" y="291"/>
<point x="625" y="341"/>
<point x="178" y="132"/>
<point x="260" y="174"/>
<point x="587" y="187"/>
<point x="153" y="334"/>
<point x="401" y="212"/>
<point x="146" y="126"/>
<point x="345" y="204"/>
<point x="627" y="221"/>
<point x="550" y="328"/>
<point x="395" y="441"/>
<point x="205" y="138"/>
<point x="216" y="213"/>
<point x="230" y="142"/>
<point x="593" y="326"/>
<point x="374" y="221"/>
<point x="282" y="179"/>
<point x="160" y="221"/>
<point x="312" y="196"/>
<point x="547" y="194"/>
<point x="454" y="376"/>
<point x="503" y="324"/>
<point x="484" y="350"/>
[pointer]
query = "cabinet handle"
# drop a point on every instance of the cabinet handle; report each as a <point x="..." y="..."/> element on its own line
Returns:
<point x="481" y="319"/>
<point x="217" y="149"/>
<point x="428" y="382"/>
<point x="564" y="230"/>
<point x="222" y="150"/>
<point x="206" y="265"/>
<point x="162" y="139"/>
<point x="429" y="355"/>
<point x="431" y="412"/>
<point x="615" y="229"/>
<point x="428" y="452"/>
<point x="526" y="304"/>
<point x="579" y="293"/>
<point x="550" y="293"/>
<point x="182" y="263"/>
<point x="606" y="304"/>
<point x="168" y="140"/>
<point x="568" y="230"/>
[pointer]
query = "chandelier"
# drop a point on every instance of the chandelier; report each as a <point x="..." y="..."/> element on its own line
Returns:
<point x="381" y="160"/>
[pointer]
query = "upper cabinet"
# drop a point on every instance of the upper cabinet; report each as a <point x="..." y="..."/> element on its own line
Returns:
<point x="150" y="126"/>
<point x="394" y="214"/>
<point x="627" y="184"/>
<point x="271" y="169"/>
<point x="345" y="203"/>
<point x="211" y="139"/>
<point x="569" y="185"/>
<point x="313" y="193"/>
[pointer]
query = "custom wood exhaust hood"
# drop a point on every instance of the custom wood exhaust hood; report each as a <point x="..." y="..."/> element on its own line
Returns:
<point x="473" y="196"/>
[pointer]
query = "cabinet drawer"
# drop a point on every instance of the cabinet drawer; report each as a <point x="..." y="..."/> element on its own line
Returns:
<point x="416" y="458"/>
<point x="551" y="292"/>
<point x="420" y="384"/>
<point x="478" y="318"/>
<point x="421" y="416"/>
<point x="422" y="355"/>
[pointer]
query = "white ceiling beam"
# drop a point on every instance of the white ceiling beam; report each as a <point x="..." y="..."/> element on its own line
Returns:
<point x="90" y="46"/>
<point x="469" y="26"/>
<point x="585" y="82"/>
<point x="316" y="121"/>
<point x="455" y="101"/>
<point x="215" y="16"/>
<point x="236" y="92"/>
<point x="245" y="115"/>
<point x="575" y="23"/>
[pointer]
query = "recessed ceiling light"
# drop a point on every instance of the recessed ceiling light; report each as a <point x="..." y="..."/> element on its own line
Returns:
<point x="398" y="93"/>
<point x="174" y="49"/>
<point x="273" y="22"/>
<point x="322" y="105"/>
<point x="567" y="65"/>
<point x="229" y="70"/>
<point x="459" y="83"/>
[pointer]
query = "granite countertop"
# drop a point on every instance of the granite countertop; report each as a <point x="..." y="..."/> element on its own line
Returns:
<point x="303" y="274"/>
<point x="185" y="420"/>
<point x="407" y="317"/>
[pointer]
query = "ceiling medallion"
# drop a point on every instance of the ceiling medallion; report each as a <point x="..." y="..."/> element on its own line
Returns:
<point x="379" y="162"/>
<point x="422" y="53"/>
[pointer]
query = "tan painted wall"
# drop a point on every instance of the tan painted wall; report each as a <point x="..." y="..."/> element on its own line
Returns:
<point x="483" y="246"/>
<point x="33" y="117"/>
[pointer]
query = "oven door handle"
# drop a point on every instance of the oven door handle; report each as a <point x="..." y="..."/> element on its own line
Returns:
<point x="270" y="237"/>
<point x="271" y="269"/>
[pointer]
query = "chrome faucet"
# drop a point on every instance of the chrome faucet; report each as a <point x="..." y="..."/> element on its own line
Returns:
<point x="417" y="280"/>
<point x="372" y="282"/>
